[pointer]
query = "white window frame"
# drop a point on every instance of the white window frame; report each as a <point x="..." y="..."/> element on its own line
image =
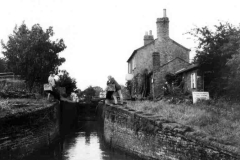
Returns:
<point x="133" y="63"/>
<point x="193" y="80"/>
<point x="129" y="67"/>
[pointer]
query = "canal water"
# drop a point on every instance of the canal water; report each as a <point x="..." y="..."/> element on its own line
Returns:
<point x="86" y="142"/>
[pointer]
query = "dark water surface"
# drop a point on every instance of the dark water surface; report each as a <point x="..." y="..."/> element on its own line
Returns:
<point x="85" y="143"/>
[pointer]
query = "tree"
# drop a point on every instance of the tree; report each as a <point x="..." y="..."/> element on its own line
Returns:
<point x="97" y="90"/>
<point x="3" y="67"/>
<point x="89" y="93"/>
<point x="66" y="81"/>
<point x="78" y="92"/>
<point x="32" y="54"/>
<point x="129" y="87"/>
<point x="213" y="51"/>
<point x="170" y="78"/>
<point x="233" y="87"/>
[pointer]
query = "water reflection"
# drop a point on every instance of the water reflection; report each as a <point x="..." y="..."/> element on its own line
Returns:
<point x="86" y="143"/>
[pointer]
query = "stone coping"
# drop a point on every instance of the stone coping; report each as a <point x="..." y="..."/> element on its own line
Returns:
<point x="29" y="109"/>
<point x="157" y="124"/>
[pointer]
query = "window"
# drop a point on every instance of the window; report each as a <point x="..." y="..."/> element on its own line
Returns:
<point x="193" y="80"/>
<point x="134" y="63"/>
<point x="131" y="65"/>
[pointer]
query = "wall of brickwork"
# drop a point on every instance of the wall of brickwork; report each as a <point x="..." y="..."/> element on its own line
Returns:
<point x="159" y="80"/>
<point x="21" y="134"/>
<point x="143" y="58"/>
<point x="162" y="28"/>
<point x="148" y="38"/>
<point x="168" y="51"/>
<point x="152" y="137"/>
<point x="174" y="66"/>
<point x="69" y="116"/>
<point x="159" y="77"/>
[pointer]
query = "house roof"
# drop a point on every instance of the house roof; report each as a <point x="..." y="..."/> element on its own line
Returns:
<point x="135" y="51"/>
<point x="193" y="66"/>
<point x="180" y="45"/>
<point x="173" y="60"/>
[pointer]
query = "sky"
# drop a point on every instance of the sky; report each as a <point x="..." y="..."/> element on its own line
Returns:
<point x="101" y="35"/>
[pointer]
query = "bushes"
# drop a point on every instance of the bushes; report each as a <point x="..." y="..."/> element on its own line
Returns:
<point x="217" y="55"/>
<point x="173" y="85"/>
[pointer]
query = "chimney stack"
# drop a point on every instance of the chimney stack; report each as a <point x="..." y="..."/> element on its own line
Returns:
<point x="163" y="27"/>
<point x="156" y="61"/>
<point x="148" y="38"/>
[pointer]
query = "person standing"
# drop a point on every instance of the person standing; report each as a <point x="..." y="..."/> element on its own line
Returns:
<point x="52" y="82"/>
<point x="110" y="89"/>
<point x="111" y="80"/>
<point x="109" y="94"/>
<point x="74" y="96"/>
<point x="51" y="79"/>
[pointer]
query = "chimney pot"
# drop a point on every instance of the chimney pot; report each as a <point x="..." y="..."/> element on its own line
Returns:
<point x="164" y="13"/>
<point x="148" y="38"/>
<point x="150" y="32"/>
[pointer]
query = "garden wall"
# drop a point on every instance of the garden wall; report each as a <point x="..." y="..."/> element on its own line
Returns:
<point x="152" y="137"/>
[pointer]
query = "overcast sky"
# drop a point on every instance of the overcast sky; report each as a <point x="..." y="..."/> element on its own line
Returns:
<point x="100" y="35"/>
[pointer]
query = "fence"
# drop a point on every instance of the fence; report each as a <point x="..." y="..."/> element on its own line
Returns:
<point x="9" y="75"/>
<point x="10" y="81"/>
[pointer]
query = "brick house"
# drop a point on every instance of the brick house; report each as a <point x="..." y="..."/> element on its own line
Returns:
<point x="156" y="58"/>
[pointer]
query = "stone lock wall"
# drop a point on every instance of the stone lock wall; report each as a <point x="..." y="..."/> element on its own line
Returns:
<point x="69" y="116"/>
<point x="21" y="134"/>
<point x="152" y="137"/>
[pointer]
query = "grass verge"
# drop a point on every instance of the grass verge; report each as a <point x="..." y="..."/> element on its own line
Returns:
<point x="13" y="106"/>
<point x="220" y="120"/>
